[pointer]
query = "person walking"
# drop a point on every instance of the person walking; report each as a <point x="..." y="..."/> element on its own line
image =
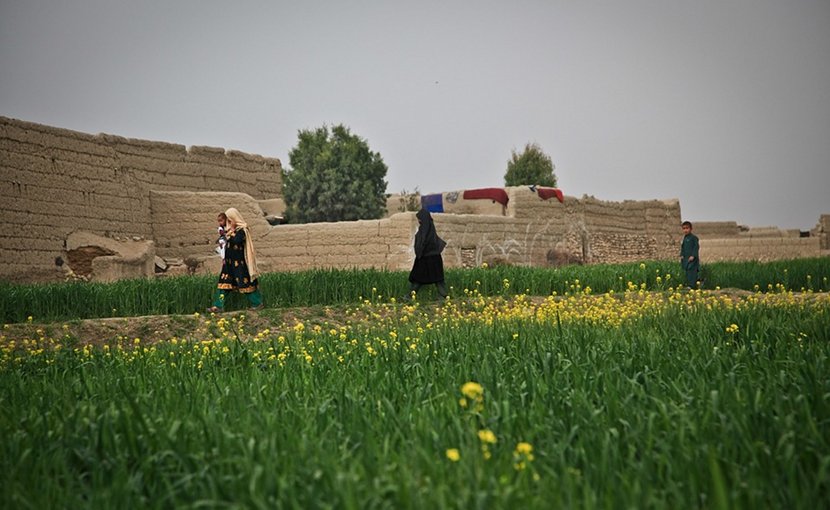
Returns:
<point x="690" y="255"/>
<point x="239" y="270"/>
<point x="428" y="266"/>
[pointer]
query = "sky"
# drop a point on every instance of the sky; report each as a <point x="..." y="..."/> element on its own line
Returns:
<point x="722" y="104"/>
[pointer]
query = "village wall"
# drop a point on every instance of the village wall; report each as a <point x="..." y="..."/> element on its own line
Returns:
<point x="160" y="200"/>
<point x="758" y="248"/>
<point x="184" y="229"/>
<point x="56" y="181"/>
<point x="727" y="241"/>
<point x="822" y="231"/>
<point x="716" y="229"/>
<point x="578" y="231"/>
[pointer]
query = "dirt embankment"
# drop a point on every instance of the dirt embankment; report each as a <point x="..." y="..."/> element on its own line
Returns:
<point x="156" y="328"/>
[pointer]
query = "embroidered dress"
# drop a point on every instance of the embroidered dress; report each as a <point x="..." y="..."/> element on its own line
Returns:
<point x="235" y="274"/>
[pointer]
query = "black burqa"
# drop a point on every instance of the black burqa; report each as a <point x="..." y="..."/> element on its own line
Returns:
<point x="428" y="266"/>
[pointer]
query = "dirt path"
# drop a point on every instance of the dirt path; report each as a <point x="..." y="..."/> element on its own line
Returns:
<point x="155" y="328"/>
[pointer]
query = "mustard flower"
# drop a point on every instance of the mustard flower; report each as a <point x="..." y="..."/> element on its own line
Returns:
<point x="486" y="436"/>
<point x="472" y="390"/>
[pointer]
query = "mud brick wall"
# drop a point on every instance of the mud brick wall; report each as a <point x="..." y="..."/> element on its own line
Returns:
<point x="383" y="244"/>
<point x="759" y="248"/>
<point x="822" y="231"/>
<point x="184" y="222"/>
<point x="55" y="181"/>
<point x="598" y="231"/>
<point x="476" y="239"/>
<point x="715" y="229"/>
<point x="184" y="227"/>
<point x="539" y="232"/>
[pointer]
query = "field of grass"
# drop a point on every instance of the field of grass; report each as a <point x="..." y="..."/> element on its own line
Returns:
<point x="497" y="398"/>
<point x="185" y="295"/>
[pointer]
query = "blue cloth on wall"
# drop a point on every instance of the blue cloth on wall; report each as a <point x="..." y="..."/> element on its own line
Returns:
<point x="433" y="203"/>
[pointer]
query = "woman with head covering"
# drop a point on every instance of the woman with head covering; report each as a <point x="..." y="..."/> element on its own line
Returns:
<point x="239" y="271"/>
<point x="428" y="266"/>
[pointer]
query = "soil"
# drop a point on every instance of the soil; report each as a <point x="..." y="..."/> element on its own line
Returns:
<point x="151" y="329"/>
<point x="155" y="328"/>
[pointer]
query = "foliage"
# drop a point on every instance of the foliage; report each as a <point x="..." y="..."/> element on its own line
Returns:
<point x="409" y="201"/>
<point x="530" y="167"/>
<point x="187" y="294"/>
<point x="334" y="176"/>
<point x="677" y="400"/>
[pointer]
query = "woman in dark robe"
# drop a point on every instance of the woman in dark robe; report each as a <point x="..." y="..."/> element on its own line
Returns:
<point x="428" y="266"/>
<point x="239" y="270"/>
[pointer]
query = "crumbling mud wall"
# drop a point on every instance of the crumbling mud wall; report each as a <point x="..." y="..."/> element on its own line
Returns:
<point x="184" y="228"/>
<point x="822" y="231"/>
<point x="104" y="207"/>
<point x="763" y="248"/>
<point x="578" y="231"/>
<point x="57" y="181"/>
<point x="728" y="241"/>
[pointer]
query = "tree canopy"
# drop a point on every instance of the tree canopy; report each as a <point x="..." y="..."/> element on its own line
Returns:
<point x="530" y="167"/>
<point x="334" y="176"/>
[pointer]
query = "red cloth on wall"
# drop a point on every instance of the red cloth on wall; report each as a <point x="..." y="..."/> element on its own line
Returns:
<point x="495" y="194"/>
<point x="546" y="193"/>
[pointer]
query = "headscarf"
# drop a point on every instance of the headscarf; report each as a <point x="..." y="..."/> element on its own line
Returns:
<point x="250" y="255"/>
<point x="427" y="241"/>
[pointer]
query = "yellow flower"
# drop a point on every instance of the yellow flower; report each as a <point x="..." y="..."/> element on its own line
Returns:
<point x="472" y="390"/>
<point x="453" y="454"/>
<point x="487" y="436"/>
<point x="732" y="328"/>
<point x="522" y="455"/>
<point x="524" y="448"/>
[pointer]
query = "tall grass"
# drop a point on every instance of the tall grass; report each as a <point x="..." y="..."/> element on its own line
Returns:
<point x="673" y="410"/>
<point x="182" y="295"/>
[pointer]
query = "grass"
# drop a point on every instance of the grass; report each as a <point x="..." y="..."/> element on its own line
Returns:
<point x="640" y="400"/>
<point x="185" y="295"/>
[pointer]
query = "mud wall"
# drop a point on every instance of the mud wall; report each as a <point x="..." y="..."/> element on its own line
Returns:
<point x="544" y="233"/>
<point x="184" y="228"/>
<point x="56" y="181"/>
<point x="758" y="248"/>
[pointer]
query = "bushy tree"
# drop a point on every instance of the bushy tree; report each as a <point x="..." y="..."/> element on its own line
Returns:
<point x="532" y="166"/>
<point x="334" y="176"/>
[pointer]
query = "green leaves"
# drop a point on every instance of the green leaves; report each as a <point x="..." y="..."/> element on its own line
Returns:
<point x="334" y="176"/>
<point x="530" y="167"/>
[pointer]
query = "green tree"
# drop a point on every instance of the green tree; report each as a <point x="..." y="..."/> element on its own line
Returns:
<point x="532" y="166"/>
<point x="334" y="176"/>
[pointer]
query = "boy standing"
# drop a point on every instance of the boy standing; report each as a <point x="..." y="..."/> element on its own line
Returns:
<point x="690" y="255"/>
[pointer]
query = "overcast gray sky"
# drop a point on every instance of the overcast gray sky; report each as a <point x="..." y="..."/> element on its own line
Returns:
<point x="724" y="104"/>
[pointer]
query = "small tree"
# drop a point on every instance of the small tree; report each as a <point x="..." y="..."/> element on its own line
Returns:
<point x="334" y="176"/>
<point x="530" y="167"/>
<point x="409" y="201"/>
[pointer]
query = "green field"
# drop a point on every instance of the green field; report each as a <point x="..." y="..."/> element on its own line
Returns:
<point x="185" y="295"/>
<point x="641" y="397"/>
